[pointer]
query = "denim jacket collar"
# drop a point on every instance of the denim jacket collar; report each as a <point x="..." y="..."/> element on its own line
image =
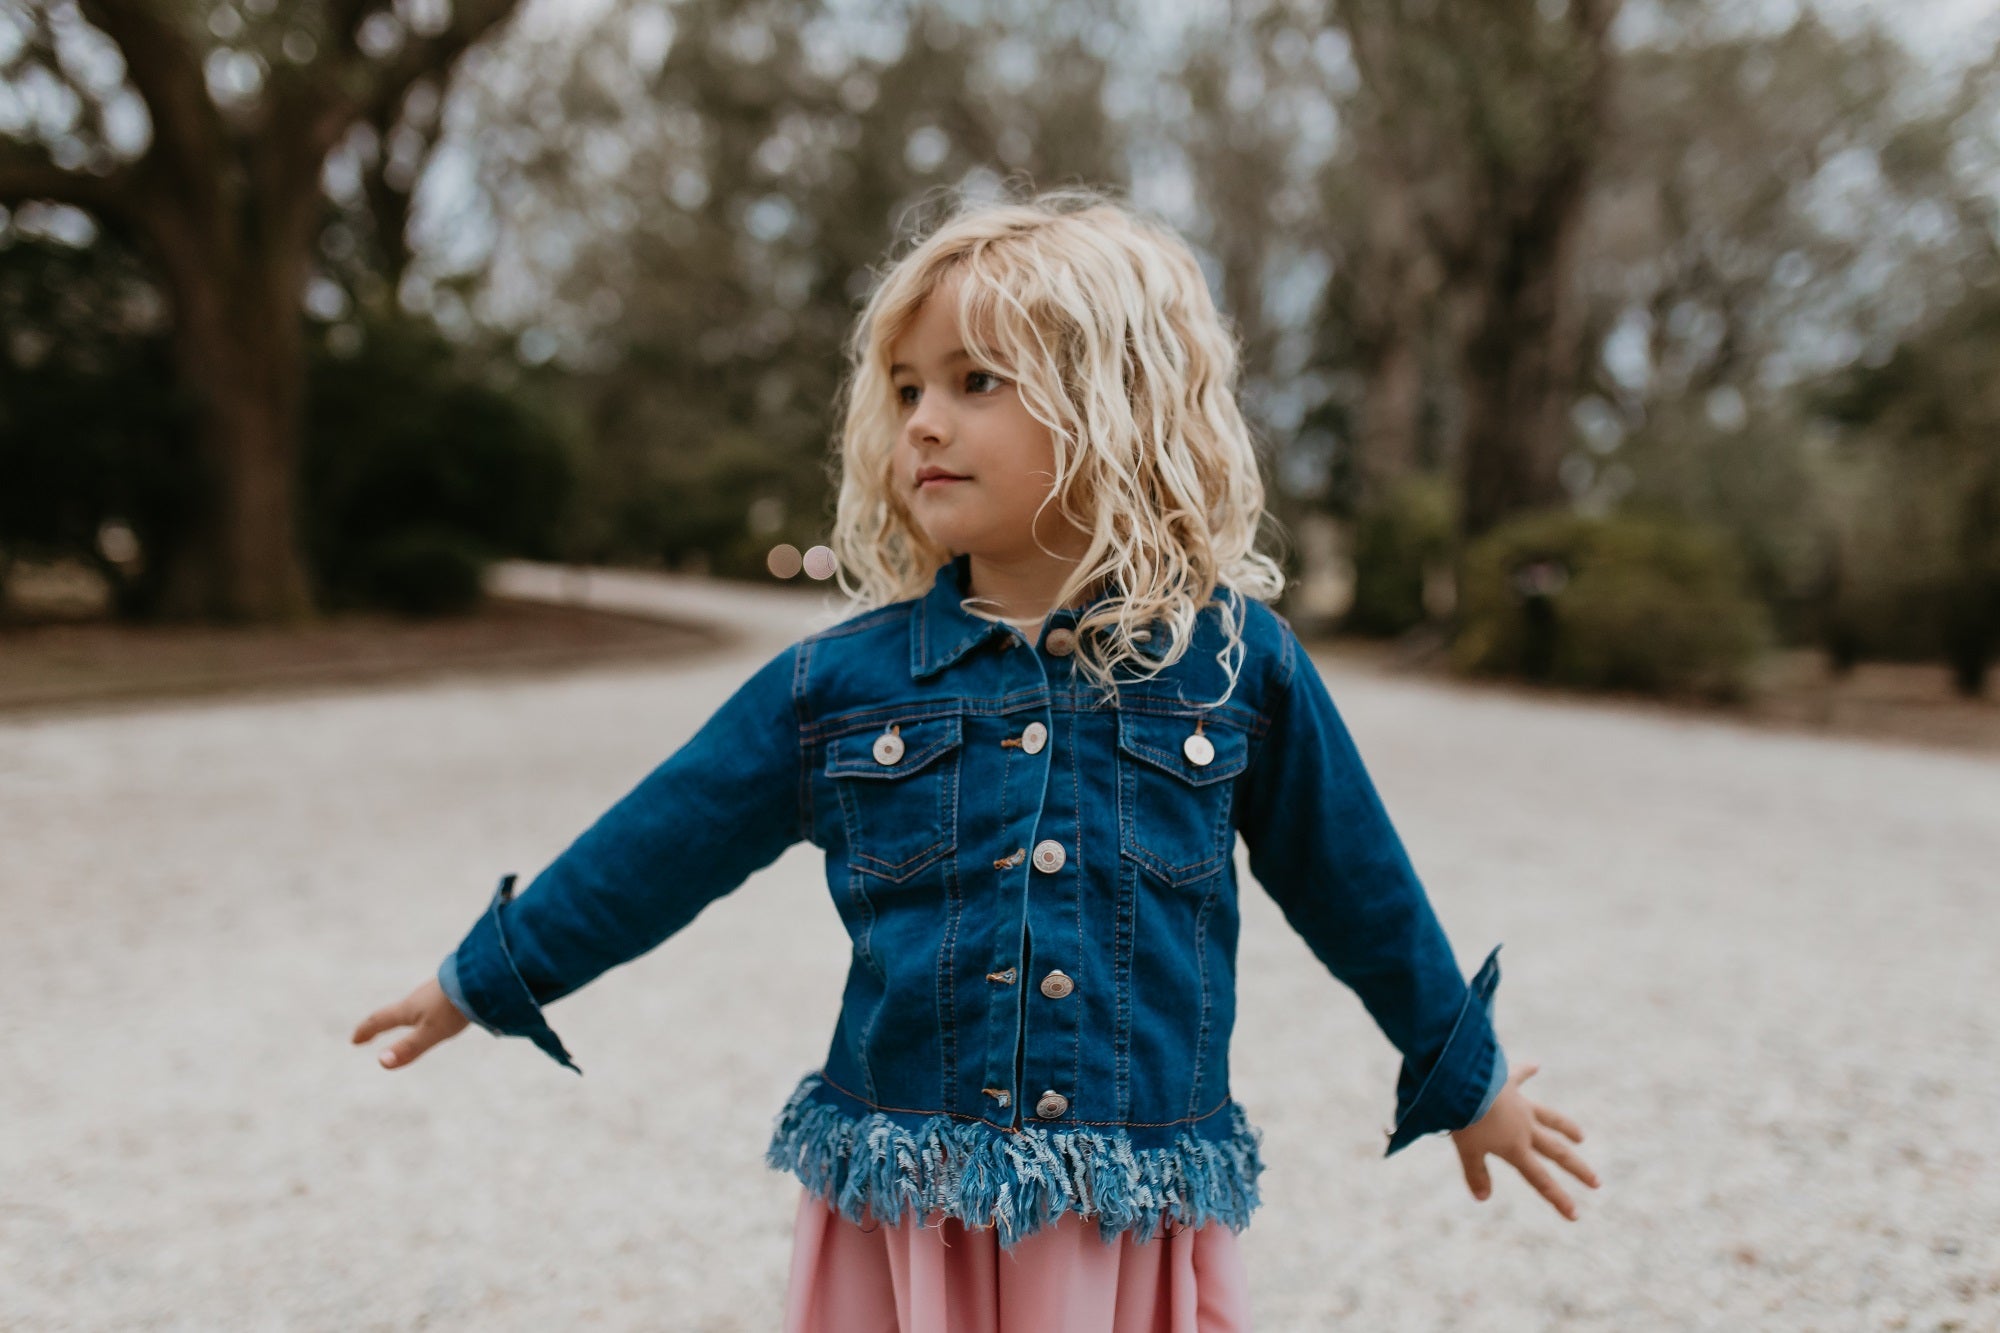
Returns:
<point x="942" y="630"/>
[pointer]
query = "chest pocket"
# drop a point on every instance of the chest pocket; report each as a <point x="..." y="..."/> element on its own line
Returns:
<point x="1173" y="811"/>
<point x="898" y="797"/>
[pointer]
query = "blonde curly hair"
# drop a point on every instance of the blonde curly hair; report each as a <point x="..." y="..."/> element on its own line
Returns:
<point x="1102" y="319"/>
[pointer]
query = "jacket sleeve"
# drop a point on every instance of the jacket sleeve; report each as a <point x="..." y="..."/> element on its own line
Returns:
<point x="1323" y="847"/>
<point x="721" y="807"/>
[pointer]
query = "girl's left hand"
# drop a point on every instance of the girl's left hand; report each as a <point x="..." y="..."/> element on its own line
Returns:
<point x="1523" y="1132"/>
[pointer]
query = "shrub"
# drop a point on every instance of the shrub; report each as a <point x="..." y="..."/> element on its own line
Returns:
<point x="1626" y="602"/>
<point x="1396" y="544"/>
<point x="413" y="470"/>
<point x="422" y="572"/>
<point x="93" y="429"/>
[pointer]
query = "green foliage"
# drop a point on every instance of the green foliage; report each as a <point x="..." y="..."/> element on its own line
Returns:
<point x="803" y="144"/>
<point x="1713" y="241"/>
<point x="414" y="473"/>
<point x="1920" y="567"/>
<point x="691" y="504"/>
<point x="92" y="429"/>
<point x="1395" y="544"/>
<point x="424" y="571"/>
<point x="413" y="469"/>
<point x="1758" y="482"/>
<point x="1628" y="602"/>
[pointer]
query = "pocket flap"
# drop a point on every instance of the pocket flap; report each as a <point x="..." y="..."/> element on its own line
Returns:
<point x="924" y="740"/>
<point x="1160" y="740"/>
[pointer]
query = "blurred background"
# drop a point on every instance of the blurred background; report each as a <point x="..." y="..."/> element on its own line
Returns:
<point x="1644" y="346"/>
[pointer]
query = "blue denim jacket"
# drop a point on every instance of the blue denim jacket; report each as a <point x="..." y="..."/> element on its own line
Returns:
<point x="1041" y="890"/>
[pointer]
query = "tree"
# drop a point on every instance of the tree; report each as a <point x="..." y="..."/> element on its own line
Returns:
<point x="95" y="437"/>
<point x="725" y="184"/>
<point x="1933" y="404"/>
<point x="225" y="200"/>
<point x="1479" y="127"/>
<point x="1781" y="205"/>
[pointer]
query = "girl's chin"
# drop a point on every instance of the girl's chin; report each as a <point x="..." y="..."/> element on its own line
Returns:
<point x="950" y="537"/>
<point x="943" y="524"/>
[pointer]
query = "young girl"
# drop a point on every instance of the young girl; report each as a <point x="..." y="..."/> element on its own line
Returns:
<point x="1028" y="758"/>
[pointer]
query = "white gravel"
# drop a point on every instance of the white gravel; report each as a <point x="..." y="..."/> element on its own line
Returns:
<point x="1760" y="968"/>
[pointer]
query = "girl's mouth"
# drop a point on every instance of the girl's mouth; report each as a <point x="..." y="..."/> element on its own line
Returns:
<point x="938" y="481"/>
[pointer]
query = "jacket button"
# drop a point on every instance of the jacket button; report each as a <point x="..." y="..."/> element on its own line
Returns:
<point x="1198" y="748"/>
<point x="1061" y="641"/>
<point x="1049" y="856"/>
<point x="1033" y="737"/>
<point x="888" y="748"/>
<point x="1057" y="984"/>
<point x="1051" y="1106"/>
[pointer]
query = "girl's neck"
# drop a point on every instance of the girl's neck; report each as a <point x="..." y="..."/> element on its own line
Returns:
<point x="1018" y="589"/>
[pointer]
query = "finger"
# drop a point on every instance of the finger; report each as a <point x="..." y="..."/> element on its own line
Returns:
<point x="1545" y="1184"/>
<point x="1557" y="1150"/>
<point x="388" y="1016"/>
<point x="1524" y="1073"/>
<point x="1556" y="1120"/>
<point x="1476" y="1178"/>
<point x="401" y="1052"/>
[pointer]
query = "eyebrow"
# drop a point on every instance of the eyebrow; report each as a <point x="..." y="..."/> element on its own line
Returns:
<point x="955" y="354"/>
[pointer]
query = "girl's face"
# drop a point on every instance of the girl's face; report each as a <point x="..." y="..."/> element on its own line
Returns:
<point x="970" y="462"/>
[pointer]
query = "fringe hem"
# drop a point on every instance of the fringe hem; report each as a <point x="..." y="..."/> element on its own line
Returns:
<point x="1017" y="1183"/>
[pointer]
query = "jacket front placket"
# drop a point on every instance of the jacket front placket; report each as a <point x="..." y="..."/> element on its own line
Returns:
<point x="1058" y="851"/>
<point x="1003" y="793"/>
<point x="1022" y="857"/>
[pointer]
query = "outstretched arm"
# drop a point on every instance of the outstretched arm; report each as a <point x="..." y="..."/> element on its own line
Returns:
<point x="1323" y="847"/>
<point x="721" y="807"/>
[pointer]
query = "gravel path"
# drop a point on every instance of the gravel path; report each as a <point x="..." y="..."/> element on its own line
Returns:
<point x="1759" y="968"/>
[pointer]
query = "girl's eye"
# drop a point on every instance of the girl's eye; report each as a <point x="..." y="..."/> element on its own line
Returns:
<point x="976" y="381"/>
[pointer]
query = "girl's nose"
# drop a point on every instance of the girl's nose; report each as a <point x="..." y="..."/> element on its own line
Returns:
<point x="927" y="424"/>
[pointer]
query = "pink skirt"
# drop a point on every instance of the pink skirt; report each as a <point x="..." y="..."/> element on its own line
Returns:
<point x="948" y="1278"/>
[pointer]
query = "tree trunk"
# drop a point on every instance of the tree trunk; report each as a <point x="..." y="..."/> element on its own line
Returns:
<point x="1391" y="415"/>
<point x="1478" y="129"/>
<point x="1522" y="344"/>
<point x="231" y="205"/>
<point x="239" y="348"/>
<point x="1519" y="370"/>
<point x="1394" y="290"/>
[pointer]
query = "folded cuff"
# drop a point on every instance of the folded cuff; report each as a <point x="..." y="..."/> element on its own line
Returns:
<point x="1460" y="1083"/>
<point x="447" y="975"/>
<point x="1493" y="1086"/>
<point x="491" y="987"/>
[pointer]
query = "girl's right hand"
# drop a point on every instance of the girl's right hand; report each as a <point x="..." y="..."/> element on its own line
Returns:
<point x="1522" y="1133"/>
<point x="426" y="1010"/>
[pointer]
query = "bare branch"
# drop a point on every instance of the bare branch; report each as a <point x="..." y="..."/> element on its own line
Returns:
<point x="389" y="204"/>
<point x="471" y="20"/>
<point x="28" y="172"/>
<point x="351" y="87"/>
<point x="343" y="20"/>
<point x="166" y="69"/>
